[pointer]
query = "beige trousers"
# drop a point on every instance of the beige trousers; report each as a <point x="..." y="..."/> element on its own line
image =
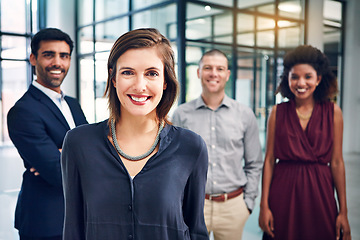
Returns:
<point x="226" y="219"/>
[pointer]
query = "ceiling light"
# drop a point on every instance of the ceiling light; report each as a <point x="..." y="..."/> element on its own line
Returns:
<point x="207" y="8"/>
<point x="290" y="6"/>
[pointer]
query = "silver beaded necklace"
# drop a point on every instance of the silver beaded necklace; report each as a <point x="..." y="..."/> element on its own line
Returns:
<point x="134" y="158"/>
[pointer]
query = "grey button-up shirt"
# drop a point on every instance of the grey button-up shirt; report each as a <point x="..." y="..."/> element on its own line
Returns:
<point x="231" y="135"/>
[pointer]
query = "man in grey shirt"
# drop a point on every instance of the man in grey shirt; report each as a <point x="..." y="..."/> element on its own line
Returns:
<point x="231" y="133"/>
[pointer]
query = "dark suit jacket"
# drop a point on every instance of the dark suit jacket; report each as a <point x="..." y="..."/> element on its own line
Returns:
<point x="37" y="128"/>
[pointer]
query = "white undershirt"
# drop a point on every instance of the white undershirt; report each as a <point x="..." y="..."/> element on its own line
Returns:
<point x="58" y="99"/>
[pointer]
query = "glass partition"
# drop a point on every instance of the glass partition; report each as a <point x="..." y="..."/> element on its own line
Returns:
<point x="101" y="74"/>
<point x="109" y="8"/>
<point x="228" y="3"/>
<point x="245" y="29"/>
<point x="245" y="81"/>
<point x="106" y="33"/>
<point x="14" y="16"/>
<point x="265" y="35"/>
<point x="291" y="9"/>
<point x="14" y="85"/>
<point x="18" y="20"/>
<point x="267" y="8"/>
<point x="333" y="45"/>
<point x="138" y="4"/>
<point x="223" y="28"/>
<point x="256" y="5"/>
<point x="85" y="13"/>
<point x="207" y="23"/>
<point x="85" y="40"/>
<point x="14" y="47"/>
<point x="87" y="93"/>
<point x="159" y="18"/>
<point x="291" y="34"/>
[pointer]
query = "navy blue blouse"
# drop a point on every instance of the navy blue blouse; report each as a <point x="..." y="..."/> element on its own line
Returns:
<point x="164" y="201"/>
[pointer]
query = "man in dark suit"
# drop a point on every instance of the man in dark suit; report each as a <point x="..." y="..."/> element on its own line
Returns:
<point x="37" y="126"/>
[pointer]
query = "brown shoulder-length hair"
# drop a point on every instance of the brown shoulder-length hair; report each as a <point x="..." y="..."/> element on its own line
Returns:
<point x="143" y="38"/>
<point x="306" y="54"/>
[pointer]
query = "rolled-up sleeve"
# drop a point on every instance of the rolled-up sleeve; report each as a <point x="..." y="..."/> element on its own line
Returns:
<point x="253" y="160"/>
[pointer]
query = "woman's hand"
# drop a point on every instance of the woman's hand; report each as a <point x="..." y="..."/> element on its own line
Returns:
<point x="343" y="226"/>
<point x="266" y="221"/>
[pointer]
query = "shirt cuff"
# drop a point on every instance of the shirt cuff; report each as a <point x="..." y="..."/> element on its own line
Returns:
<point x="249" y="204"/>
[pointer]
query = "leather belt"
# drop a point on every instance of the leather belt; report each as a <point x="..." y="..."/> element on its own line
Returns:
<point x="222" y="197"/>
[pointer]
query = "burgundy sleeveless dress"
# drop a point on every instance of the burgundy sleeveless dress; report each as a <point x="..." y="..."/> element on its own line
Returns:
<point x="301" y="195"/>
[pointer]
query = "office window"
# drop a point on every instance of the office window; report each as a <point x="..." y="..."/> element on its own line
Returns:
<point x="291" y="9"/>
<point x="85" y="40"/>
<point x="106" y="33"/>
<point x="291" y="34"/>
<point x="245" y="29"/>
<point x="18" y="20"/>
<point x="206" y="23"/>
<point x="160" y="18"/>
<point x="110" y="8"/>
<point x="85" y="15"/>
<point x="138" y="4"/>
<point x="228" y="3"/>
<point x="265" y="34"/>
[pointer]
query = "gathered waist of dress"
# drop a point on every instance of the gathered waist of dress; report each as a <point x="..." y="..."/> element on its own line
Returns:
<point x="301" y="162"/>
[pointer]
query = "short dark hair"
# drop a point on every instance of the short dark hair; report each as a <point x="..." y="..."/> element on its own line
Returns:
<point x="213" y="52"/>
<point x="137" y="39"/>
<point x="48" y="34"/>
<point x="306" y="54"/>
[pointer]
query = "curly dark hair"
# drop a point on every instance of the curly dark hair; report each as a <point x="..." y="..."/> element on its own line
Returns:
<point x="306" y="54"/>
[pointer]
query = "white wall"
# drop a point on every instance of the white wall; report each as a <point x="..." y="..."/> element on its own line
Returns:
<point x="351" y="89"/>
<point x="61" y="14"/>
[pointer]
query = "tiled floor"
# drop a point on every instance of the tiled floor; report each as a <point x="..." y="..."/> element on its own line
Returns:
<point x="11" y="169"/>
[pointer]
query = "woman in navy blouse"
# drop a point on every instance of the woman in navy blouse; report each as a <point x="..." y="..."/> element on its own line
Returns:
<point x="136" y="176"/>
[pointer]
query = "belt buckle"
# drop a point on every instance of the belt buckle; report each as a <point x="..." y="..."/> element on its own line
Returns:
<point x="218" y="195"/>
<point x="211" y="196"/>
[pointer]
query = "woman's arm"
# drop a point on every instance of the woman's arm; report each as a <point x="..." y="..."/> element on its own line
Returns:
<point x="74" y="214"/>
<point x="266" y="220"/>
<point x="194" y="195"/>
<point x="338" y="172"/>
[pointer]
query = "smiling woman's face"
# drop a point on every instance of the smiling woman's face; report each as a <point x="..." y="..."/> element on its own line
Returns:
<point x="139" y="81"/>
<point x="303" y="81"/>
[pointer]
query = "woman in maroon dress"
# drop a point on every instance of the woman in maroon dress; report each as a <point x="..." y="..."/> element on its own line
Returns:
<point x="304" y="163"/>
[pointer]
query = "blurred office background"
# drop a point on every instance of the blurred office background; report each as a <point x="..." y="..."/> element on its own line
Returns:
<point x="255" y="34"/>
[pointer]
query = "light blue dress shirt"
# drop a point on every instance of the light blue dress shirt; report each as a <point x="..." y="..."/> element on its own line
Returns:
<point x="231" y="135"/>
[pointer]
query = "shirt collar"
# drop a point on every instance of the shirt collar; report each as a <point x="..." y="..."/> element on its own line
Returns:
<point x="201" y="104"/>
<point x="50" y="93"/>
